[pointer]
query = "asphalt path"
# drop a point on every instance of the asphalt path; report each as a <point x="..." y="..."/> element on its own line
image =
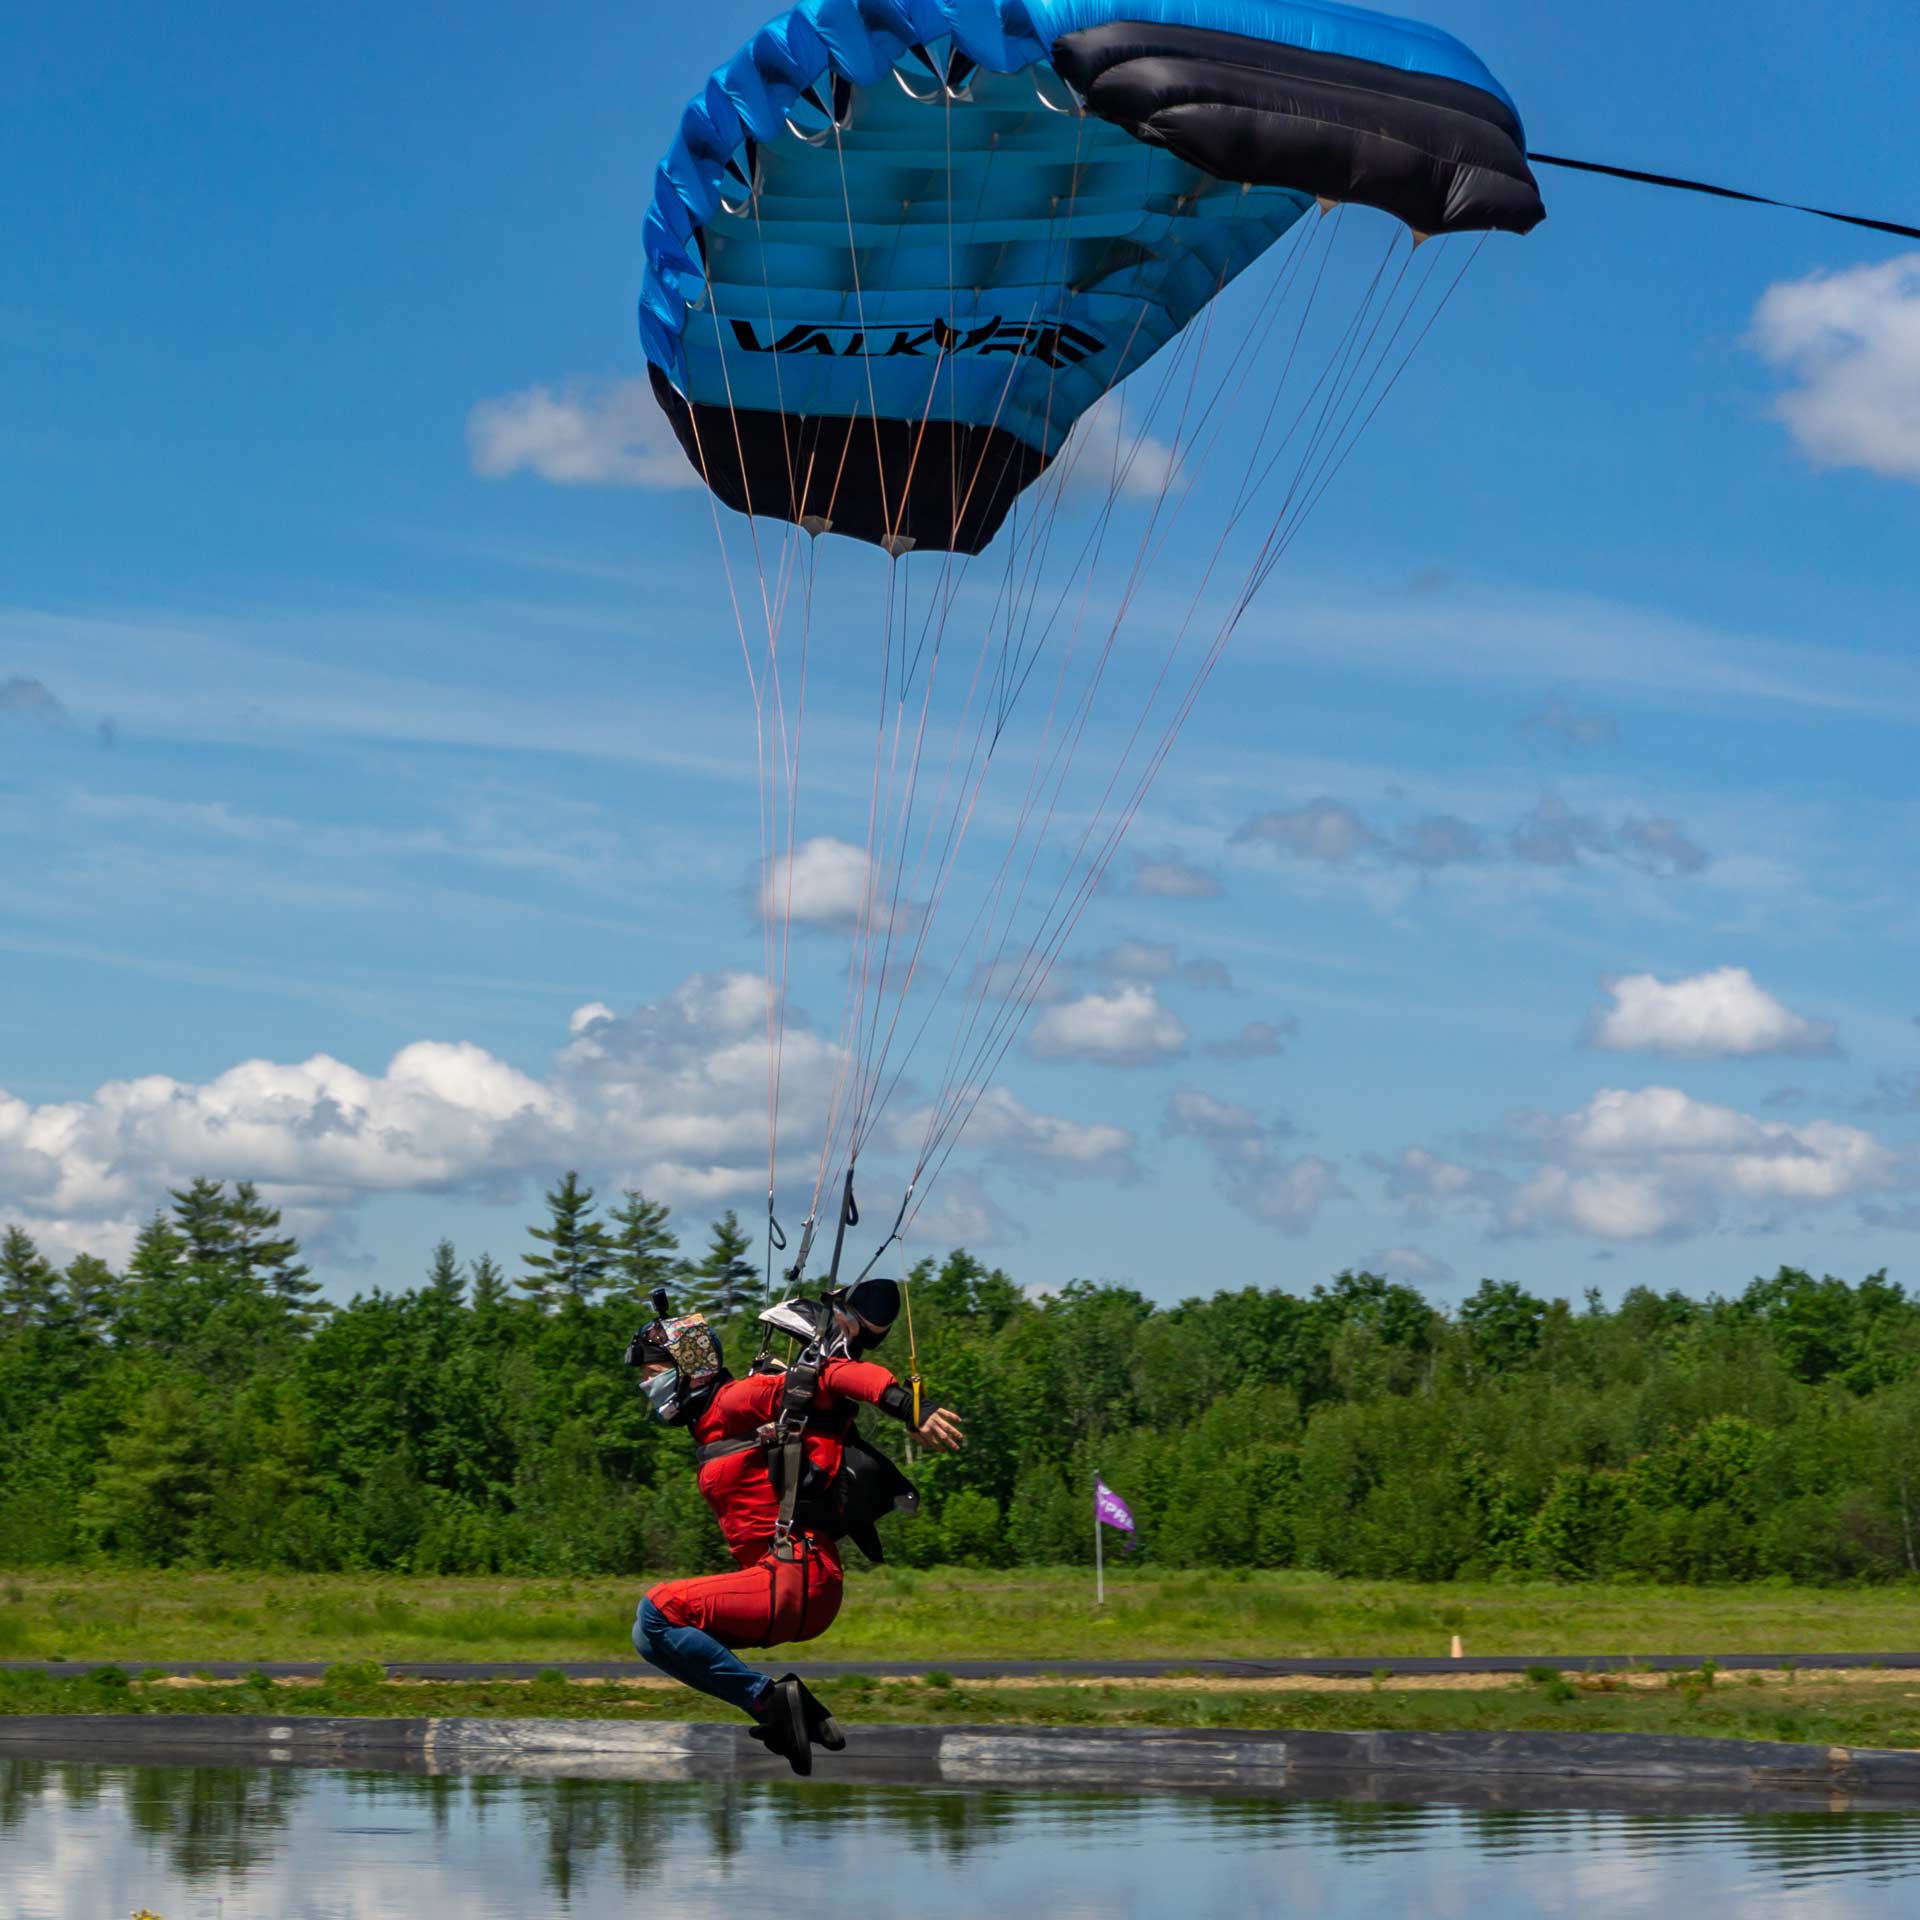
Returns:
<point x="1362" y="1667"/>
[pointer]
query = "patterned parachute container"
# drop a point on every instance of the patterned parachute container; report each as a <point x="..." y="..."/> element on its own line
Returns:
<point x="899" y="247"/>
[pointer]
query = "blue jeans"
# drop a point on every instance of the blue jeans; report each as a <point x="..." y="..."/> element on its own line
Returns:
<point x="696" y="1659"/>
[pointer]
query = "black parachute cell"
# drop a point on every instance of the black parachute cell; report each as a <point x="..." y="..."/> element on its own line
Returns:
<point x="1438" y="153"/>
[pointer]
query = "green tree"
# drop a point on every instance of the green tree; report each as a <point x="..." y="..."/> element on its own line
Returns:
<point x="263" y="1259"/>
<point x="722" y="1279"/>
<point x="27" y="1281"/>
<point x="573" y="1265"/>
<point x="489" y="1289"/>
<point x="642" y="1249"/>
<point x="1503" y="1325"/>
<point x="445" y="1282"/>
<point x="203" y="1219"/>
<point x="89" y="1297"/>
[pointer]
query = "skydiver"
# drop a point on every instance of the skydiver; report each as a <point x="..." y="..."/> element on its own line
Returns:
<point x="787" y="1476"/>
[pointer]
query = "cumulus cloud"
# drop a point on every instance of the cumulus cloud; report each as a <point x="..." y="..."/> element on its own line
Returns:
<point x="1285" y="1193"/>
<point x="1006" y="1128"/>
<point x="1326" y="830"/>
<point x="1718" y="1015"/>
<point x="1169" y="876"/>
<point x="1850" y="342"/>
<point x="1109" y="456"/>
<point x="825" y="884"/>
<point x="1655" y="1163"/>
<point x="1257" y="1040"/>
<point x="582" y="434"/>
<point x="1554" y="835"/>
<point x="1125" y="1027"/>
<point x="30" y="700"/>
<point x="670" y="1097"/>
<point x="1423" y="1184"/>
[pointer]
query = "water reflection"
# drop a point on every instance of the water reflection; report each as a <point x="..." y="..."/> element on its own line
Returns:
<point x="279" y="1844"/>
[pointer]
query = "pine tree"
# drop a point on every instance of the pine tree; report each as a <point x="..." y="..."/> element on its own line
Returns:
<point x="641" y="1249"/>
<point x="574" y="1267"/>
<point x="445" y="1281"/>
<point x="489" y="1285"/>
<point x="26" y="1281"/>
<point x="723" y="1278"/>
<point x="158" y="1253"/>
<point x="263" y="1259"/>
<point x="205" y="1226"/>
<point x="90" y="1296"/>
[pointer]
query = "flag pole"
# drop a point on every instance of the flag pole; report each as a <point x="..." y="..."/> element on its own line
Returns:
<point x="1099" y="1548"/>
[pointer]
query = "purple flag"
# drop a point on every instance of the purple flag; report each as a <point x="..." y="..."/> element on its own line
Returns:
<point x="1110" y="1509"/>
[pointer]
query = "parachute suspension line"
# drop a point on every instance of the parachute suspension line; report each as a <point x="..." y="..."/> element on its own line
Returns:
<point x="861" y="953"/>
<point x="860" y="946"/>
<point x="1232" y="620"/>
<point x="870" y="1059"/>
<point x="1342" y="446"/>
<point x="988" y="905"/>
<point x="770" y="760"/>
<point x="965" y="1045"/>
<point x="878" y="1049"/>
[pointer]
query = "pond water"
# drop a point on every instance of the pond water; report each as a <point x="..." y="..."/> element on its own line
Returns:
<point x="78" y="1841"/>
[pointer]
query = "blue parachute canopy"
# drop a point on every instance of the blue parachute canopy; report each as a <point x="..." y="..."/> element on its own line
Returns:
<point x="899" y="247"/>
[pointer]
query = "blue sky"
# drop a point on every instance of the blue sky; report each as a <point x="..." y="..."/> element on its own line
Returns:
<point x="360" y="704"/>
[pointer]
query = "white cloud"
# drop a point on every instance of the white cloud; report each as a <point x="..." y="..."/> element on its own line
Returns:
<point x="669" y="1097"/>
<point x="1656" y="1163"/>
<point x="1411" y="1267"/>
<point x="1323" y="829"/>
<point x="1108" y="456"/>
<point x="1257" y="1040"/>
<point x="1286" y="1194"/>
<point x="583" y="434"/>
<point x="1127" y="1027"/>
<point x="1423" y="1184"/>
<point x="1721" y="1014"/>
<point x="826" y="884"/>
<point x="1004" y="1126"/>
<point x="1168" y="876"/>
<point x="1851" y="342"/>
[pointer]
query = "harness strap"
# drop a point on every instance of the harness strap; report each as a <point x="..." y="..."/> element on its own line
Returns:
<point x="726" y="1449"/>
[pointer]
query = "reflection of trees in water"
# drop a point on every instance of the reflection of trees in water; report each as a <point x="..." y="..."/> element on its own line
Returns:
<point x="226" y="1821"/>
<point x="212" y="1820"/>
<point x="22" y="1784"/>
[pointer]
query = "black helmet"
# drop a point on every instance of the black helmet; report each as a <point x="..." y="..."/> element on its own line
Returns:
<point x="691" y="1348"/>
<point x="877" y="1303"/>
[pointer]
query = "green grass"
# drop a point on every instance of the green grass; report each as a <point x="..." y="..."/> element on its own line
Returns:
<point x="1878" y="1715"/>
<point x="939" y="1616"/>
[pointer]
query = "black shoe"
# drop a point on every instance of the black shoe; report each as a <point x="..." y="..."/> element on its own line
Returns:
<point x="782" y="1714"/>
<point x="822" y="1729"/>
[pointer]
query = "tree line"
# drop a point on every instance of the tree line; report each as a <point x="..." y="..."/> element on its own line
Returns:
<point x="204" y="1406"/>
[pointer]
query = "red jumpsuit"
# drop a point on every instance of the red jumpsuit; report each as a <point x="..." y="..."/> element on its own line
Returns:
<point x="769" y="1600"/>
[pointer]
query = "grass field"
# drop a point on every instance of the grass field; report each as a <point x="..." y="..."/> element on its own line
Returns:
<point x="1867" y="1709"/>
<point x="948" y="1614"/>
